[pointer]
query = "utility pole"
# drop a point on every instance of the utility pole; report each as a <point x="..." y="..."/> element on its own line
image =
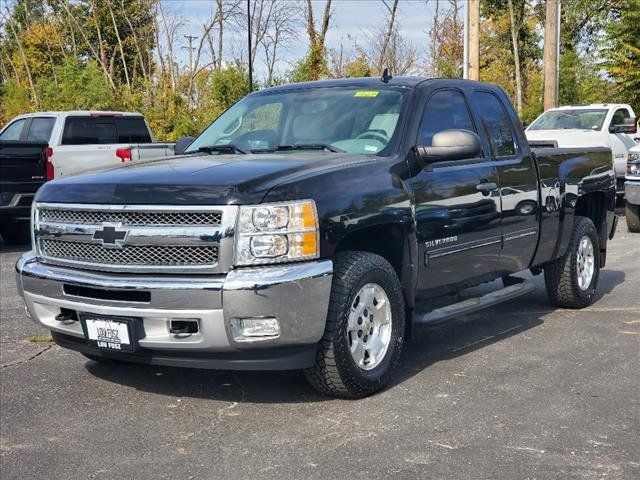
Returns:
<point x="465" y="42"/>
<point x="190" y="39"/>
<point x="551" y="55"/>
<point x="249" y="45"/>
<point x="473" y="22"/>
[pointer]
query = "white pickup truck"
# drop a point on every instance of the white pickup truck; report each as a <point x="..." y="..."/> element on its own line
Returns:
<point x="610" y="125"/>
<point x="81" y="140"/>
<point x="632" y="190"/>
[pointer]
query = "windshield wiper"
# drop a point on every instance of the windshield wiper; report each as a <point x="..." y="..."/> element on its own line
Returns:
<point x="227" y="148"/>
<point x="310" y="146"/>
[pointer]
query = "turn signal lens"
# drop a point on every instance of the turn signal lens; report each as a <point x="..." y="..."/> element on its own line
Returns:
<point x="276" y="233"/>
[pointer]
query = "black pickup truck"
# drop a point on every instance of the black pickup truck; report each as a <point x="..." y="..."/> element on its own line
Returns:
<point x="314" y="226"/>
<point x="23" y="169"/>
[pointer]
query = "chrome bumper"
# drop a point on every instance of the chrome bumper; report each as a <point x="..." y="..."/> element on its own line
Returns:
<point x="632" y="191"/>
<point x="297" y="295"/>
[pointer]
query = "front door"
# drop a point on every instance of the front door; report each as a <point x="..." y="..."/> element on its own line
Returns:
<point x="518" y="181"/>
<point x="458" y="218"/>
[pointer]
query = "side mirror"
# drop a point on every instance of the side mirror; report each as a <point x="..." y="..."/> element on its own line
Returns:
<point x="628" y="125"/>
<point x="449" y="145"/>
<point x="182" y="144"/>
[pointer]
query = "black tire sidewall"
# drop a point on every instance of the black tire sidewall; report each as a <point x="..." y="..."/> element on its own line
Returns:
<point x="367" y="379"/>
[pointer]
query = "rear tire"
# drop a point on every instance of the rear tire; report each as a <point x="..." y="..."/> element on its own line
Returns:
<point x="359" y="279"/>
<point x="632" y="214"/>
<point x="572" y="279"/>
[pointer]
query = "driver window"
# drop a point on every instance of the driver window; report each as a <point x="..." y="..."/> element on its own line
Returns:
<point x="445" y="110"/>
<point x="619" y="116"/>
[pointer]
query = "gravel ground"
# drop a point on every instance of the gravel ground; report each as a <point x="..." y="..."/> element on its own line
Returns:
<point x="520" y="391"/>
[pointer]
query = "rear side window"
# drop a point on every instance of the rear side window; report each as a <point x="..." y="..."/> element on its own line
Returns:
<point x="496" y="123"/>
<point x="40" y="130"/>
<point x="13" y="131"/>
<point x="445" y="110"/>
<point x="103" y="130"/>
<point x="132" y="130"/>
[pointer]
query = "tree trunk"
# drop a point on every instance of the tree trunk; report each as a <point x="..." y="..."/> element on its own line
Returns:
<point x="26" y="63"/>
<point x="474" y="39"/>
<point x="550" y="56"/>
<point x="516" y="57"/>
<point x="121" y="48"/>
<point x="387" y="37"/>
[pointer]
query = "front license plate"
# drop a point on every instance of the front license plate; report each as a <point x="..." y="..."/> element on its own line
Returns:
<point x="109" y="333"/>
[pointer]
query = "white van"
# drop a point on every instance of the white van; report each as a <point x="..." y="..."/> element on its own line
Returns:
<point x="83" y="140"/>
<point x="597" y="125"/>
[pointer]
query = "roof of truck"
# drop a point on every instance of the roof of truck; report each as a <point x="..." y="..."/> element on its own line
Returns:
<point x="593" y="105"/>
<point x="409" y="81"/>
<point x="79" y="113"/>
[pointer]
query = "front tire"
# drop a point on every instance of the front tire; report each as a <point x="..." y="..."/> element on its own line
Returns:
<point x="364" y="333"/>
<point x="572" y="279"/>
<point x="632" y="214"/>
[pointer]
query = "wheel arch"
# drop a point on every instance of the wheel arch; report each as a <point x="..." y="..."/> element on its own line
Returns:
<point x="396" y="243"/>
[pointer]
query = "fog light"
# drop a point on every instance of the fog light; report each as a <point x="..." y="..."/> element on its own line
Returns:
<point x="249" y="329"/>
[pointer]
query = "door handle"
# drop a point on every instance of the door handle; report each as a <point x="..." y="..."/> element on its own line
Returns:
<point x="486" y="187"/>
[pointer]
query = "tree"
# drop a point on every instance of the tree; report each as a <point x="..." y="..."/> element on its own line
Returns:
<point x="446" y="48"/>
<point x="622" y="52"/>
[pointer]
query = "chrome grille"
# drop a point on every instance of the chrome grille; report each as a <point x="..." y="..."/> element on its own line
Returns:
<point x="141" y="218"/>
<point x="148" y="255"/>
<point x="141" y="238"/>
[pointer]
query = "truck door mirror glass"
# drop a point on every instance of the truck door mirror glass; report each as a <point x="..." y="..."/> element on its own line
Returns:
<point x="628" y="125"/>
<point x="182" y="144"/>
<point x="451" y="145"/>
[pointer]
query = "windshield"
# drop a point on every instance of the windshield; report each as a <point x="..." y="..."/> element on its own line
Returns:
<point x="580" y="119"/>
<point x="352" y="120"/>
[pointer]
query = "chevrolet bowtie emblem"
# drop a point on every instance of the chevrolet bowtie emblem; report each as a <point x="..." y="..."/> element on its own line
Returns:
<point x="110" y="236"/>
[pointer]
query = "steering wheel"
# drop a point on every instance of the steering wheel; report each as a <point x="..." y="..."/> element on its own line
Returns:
<point x="377" y="134"/>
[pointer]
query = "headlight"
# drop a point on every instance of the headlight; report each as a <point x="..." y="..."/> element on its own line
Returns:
<point x="276" y="233"/>
<point x="633" y="164"/>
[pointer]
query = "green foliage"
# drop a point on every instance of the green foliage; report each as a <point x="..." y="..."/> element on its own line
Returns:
<point x="581" y="81"/>
<point x="73" y="77"/>
<point x="358" y="67"/>
<point x="313" y="66"/>
<point x="622" y="55"/>
<point x="15" y="99"/>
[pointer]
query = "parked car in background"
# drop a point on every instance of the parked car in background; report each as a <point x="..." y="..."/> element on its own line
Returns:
<point x="313" y="226"/>
<point x="23" y="169"/>
<point x="598" y="125"/>
<point x="632" y="190"/>
<point x="81" y="140"/>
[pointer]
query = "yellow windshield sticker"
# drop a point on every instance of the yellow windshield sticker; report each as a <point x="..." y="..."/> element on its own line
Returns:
<point x="366" y="93"/>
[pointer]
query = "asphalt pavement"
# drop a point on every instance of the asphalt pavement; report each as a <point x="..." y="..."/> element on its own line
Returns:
<point x="519" y="391"/>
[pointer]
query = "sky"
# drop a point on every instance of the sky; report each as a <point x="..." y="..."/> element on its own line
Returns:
<point x="355" y="18"/>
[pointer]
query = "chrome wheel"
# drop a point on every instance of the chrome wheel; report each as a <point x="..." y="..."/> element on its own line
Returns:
<point x="369" y="326"/>
<point x="585" y="262"/>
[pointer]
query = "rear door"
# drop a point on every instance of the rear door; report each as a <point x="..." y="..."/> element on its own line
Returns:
<point x="458" y="226"/>
<point x="518" y="180"/>
<point x="91" y="142"/>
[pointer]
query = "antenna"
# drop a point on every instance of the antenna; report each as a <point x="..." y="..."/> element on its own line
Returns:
<point x="386" y="76"/>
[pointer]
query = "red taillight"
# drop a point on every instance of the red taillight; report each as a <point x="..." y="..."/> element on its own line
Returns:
<point x="48" y="152"/>
<point x="123" y="154"/>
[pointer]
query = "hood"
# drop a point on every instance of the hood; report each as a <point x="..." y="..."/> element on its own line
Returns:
<point x="569" y="138"/>
<point x="193" y="179"/>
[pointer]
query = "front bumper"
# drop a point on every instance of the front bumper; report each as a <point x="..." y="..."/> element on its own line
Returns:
<point x="632" y="191"/>
<point x="297" y="295"/>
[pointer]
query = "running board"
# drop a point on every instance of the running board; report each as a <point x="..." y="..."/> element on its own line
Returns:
<point x="474" y="304"/>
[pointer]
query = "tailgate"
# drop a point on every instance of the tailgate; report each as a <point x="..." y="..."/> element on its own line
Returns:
<point x="22" y="170"/>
